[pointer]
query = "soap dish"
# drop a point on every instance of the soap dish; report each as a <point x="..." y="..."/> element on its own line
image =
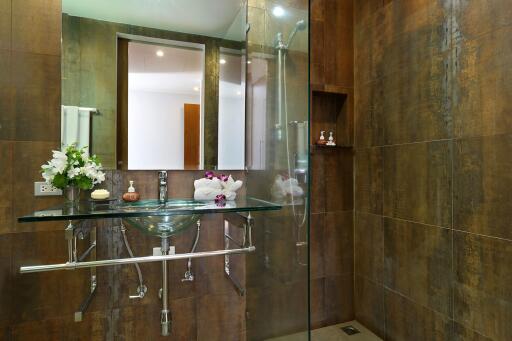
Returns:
<point x="108" y="204"/>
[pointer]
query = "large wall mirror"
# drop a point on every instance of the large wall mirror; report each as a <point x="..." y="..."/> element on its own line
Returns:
<point x="155" y="84"/>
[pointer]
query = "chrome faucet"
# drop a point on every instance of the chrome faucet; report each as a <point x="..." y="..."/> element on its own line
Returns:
<point x="162" y="187"/>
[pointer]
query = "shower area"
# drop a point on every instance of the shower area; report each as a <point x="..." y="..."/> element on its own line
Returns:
<point x="400" y="230"/>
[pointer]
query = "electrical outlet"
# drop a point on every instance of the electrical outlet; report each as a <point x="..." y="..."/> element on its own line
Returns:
<point x="43" y="189"/>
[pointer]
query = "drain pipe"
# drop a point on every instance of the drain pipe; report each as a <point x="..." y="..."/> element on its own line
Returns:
<point x="141" y="289"/>
<point x="189" y="276"/>
<point x="165" y="318"/>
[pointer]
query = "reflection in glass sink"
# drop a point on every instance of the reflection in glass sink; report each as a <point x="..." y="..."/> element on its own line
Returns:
<point x="162" y="225"/>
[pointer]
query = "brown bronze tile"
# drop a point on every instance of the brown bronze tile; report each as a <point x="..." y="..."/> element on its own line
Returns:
<point x="6" y="287"/>
<point x="369" y="305"/>
<point x="338" y="62"/>
<point x="29" y="158"/>
<point x="482" y="183"/>
<point x="317" y="245"/>
<point x="482" y="298"/>
<point x="477" y="18"/>
<point x="6" y="179"/>
<point x="483" y="81"/>
<point x="50" y="294"/>
<point x="461" y="333"/>
<point x="418" y="183"/>
<point x="339" y="243"/>
<point x="318" y="189"/>
<point x="5" y="24"/>
<point x="36" y="26"/>
<point x="369" y="246"/>
<point x="368" y="180"/>
<point x="36" y="79"/>
<point x="317" y="299"/>
<point x="339" y="299"/>
<point x="417" y="263"/>
<point x="220" y="317"/>
<point x="94" y="327"/>
<point x="338" y="177"/>
<point x="406" y="320"/>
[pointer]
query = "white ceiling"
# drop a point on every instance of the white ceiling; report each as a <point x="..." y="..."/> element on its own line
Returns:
<point x="215" y="18"/>
<point x="178" y="71"/>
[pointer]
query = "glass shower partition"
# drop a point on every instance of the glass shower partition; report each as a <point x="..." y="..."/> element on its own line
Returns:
<point x="277" y="156"/>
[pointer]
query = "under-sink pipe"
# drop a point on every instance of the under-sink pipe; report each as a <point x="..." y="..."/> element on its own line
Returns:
<point x="189" y="276"/>
<point x="141" y="289"/>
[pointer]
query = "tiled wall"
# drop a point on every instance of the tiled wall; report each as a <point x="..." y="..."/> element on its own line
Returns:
<point x="41" y="306"/>
<point x="433" y="202"/>
<point x="331" y="229"/>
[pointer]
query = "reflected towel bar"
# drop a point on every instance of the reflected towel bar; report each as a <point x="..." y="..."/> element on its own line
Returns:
<point x="120" y="261"/>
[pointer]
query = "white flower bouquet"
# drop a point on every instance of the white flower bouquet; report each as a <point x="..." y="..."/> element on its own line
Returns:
<point x="73" y="167"/>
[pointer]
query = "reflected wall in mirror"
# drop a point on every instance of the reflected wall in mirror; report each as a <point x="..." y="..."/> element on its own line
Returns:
<point x="155" y="85"/>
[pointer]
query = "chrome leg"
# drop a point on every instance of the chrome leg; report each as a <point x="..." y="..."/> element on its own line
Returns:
<point x="165" y="314"/>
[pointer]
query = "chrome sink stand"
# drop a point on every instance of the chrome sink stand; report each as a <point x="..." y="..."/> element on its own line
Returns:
<point x="165" y="318"/>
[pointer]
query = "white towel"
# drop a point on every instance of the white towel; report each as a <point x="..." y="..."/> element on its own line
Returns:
<point x="282" y="188"/>
<point x="231" y="185"/>
<point x="211" y="194"/>
<point x="75" y="126"/>
<point x="206" y="193"/>
<point x="208" y="183"/>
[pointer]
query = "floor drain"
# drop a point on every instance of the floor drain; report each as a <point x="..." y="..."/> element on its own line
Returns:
<point x="350" y="330"/>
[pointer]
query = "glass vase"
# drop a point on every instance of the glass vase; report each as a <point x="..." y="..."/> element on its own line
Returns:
<point x="72" y="195"/>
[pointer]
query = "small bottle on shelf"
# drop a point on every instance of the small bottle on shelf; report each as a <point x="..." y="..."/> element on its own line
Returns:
<point x="321" y="140"/>
<point x="331" y="141"/>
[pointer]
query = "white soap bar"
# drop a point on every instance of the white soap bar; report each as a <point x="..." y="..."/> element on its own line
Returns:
<point x="100" y="194"/>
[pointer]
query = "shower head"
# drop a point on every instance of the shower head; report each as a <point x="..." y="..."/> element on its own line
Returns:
<point x="299" y="26"/>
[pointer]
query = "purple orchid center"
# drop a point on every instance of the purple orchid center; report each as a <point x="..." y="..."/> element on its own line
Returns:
<point x="220" y="200"/>
<point x="223" y="177"/>
<point x="209" y="175"/>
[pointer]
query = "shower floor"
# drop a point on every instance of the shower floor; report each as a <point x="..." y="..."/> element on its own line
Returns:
<point x="333" y="333"/>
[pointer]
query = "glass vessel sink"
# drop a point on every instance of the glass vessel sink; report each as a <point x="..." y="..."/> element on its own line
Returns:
<point x="161" y="225"/>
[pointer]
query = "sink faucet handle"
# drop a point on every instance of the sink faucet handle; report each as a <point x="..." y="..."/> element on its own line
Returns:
<point x="162" y="175"/>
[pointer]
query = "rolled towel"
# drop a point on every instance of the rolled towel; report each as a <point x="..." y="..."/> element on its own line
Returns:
<point x="206" y="193"/>
<point x="283" y="187"/>
<point x="208" y="183"/>
<point x="232" y="185"/>
<point x="230" y="195"/>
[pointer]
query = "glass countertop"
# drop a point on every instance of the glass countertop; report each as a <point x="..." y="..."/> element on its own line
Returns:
<point x="118" y="209"/>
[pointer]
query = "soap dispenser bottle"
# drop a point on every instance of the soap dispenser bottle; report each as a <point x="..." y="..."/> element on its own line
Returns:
<point x="132" y="194"/>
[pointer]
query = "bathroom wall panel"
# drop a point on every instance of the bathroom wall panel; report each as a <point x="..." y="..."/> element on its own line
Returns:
<point x="482" y="186"/>
<point x="417" y="183"/>
<point x="368" y="180"/>
<point x="318" y="188"/>
<point x="29" y="156"/>
<point x="332" y="101"/>
<point x="457" y="58"/>
<point x="369" y="304"/>
<point x="406" y="320"/>
<point x="418" y="263"/>
<point x="5" y="24"/>
<point x="483" y="82"/>
<point x="6" y="179"/>
<point x="369" y="246"/>
<point x="482" y="297"/>
<point x="317" y="245"/>
<point x="461" y="333"/>
<point x="339" y="243"/>
<point x="36" y="26"/>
